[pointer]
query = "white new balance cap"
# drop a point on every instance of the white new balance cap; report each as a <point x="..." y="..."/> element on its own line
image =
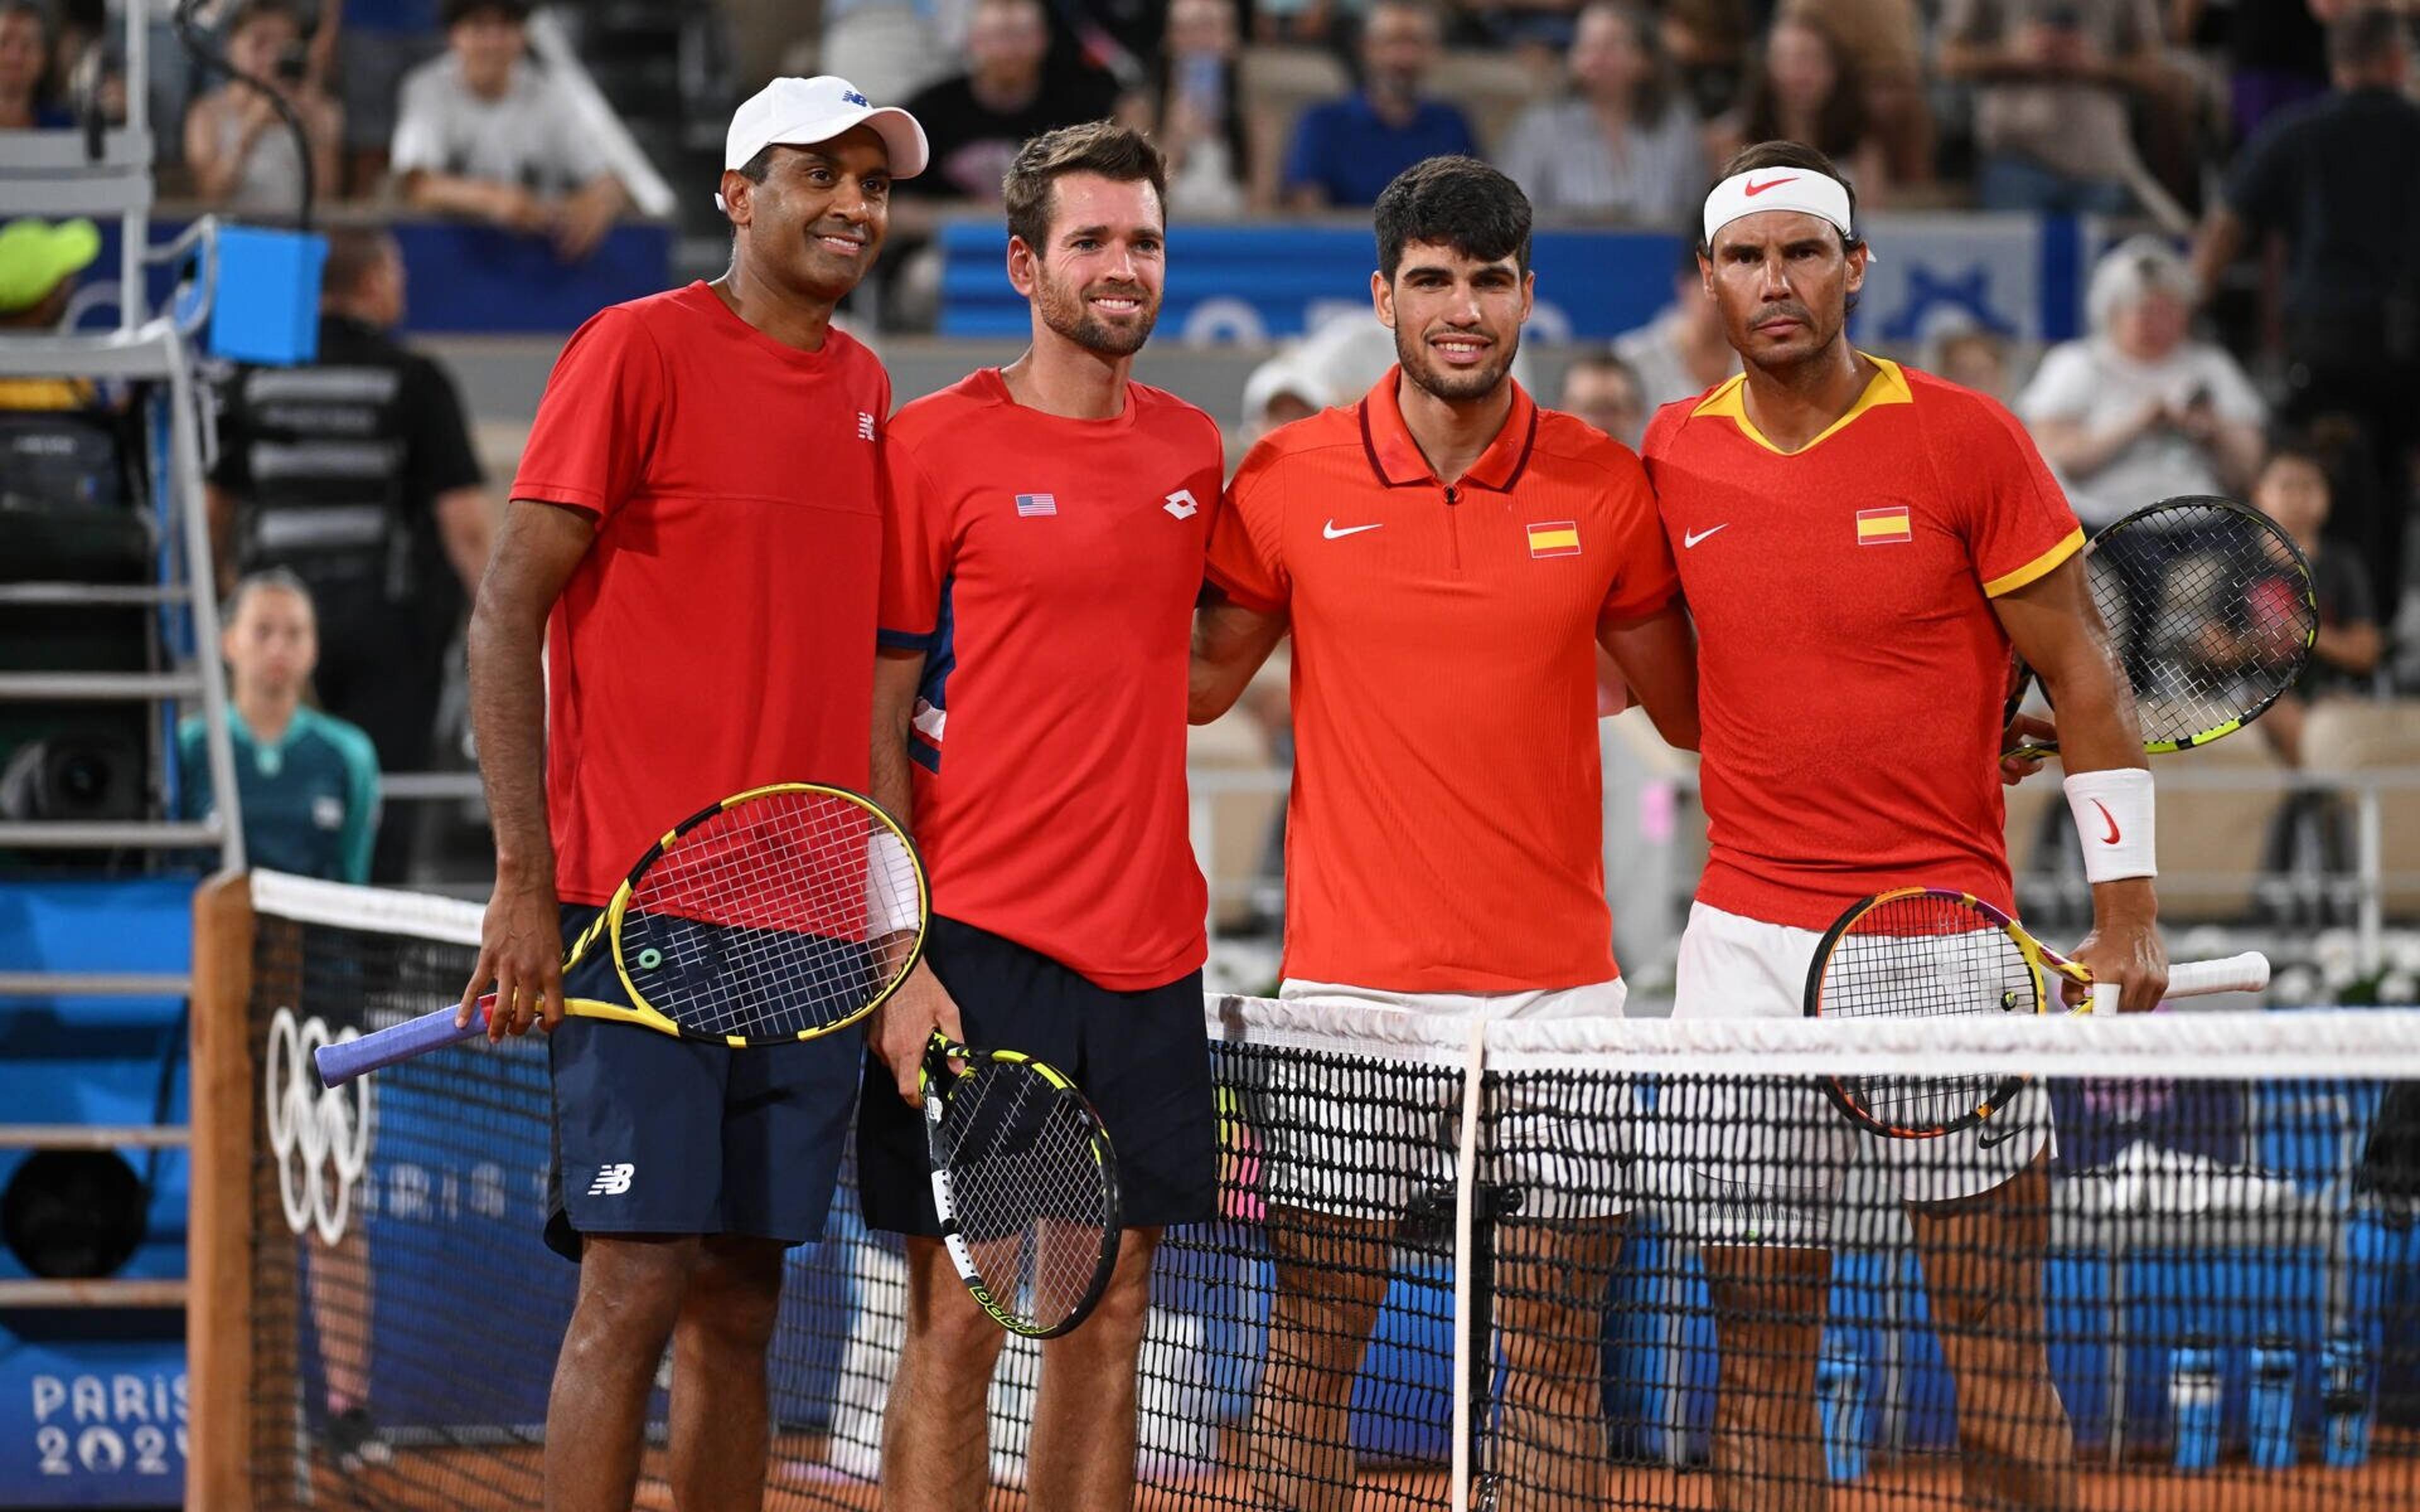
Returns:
<point x="803" y="112"/>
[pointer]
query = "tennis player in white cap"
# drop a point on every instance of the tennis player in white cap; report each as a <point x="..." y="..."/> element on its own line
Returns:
<point x="695" y="538"/>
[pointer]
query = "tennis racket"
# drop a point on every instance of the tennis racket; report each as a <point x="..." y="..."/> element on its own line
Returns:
<point x="1025" y="1185"/>
<point x="2209" y="605"/>
<point x="779" y="914"/>
<point x="1926" y="952"/>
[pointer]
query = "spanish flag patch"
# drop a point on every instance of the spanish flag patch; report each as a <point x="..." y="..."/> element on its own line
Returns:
<point x="1883" y="527"/>
<point x="1555" y="538"/>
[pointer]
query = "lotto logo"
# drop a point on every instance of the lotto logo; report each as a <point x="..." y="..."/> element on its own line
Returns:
<point x="611" y="1180"/>
<point x="865" y="427"/>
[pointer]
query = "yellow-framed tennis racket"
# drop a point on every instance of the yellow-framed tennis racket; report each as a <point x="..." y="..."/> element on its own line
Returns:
<point x="779" y="914"/>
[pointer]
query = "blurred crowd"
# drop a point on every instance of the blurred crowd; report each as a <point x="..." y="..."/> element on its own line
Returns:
<point x="2256" y="336"/>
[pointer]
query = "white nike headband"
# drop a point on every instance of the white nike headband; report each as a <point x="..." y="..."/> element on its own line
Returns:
<point x="1777" y="188"/>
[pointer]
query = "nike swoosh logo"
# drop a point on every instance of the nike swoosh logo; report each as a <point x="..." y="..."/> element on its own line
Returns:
<point x="1986" y="1139"/>
<point x="1692" y="537"/>
<point x="2107" y="818"/>
<point x="1752" y="189"/>
<point x="1331" y="533"/>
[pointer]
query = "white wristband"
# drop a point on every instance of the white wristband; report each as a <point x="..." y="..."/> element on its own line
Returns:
<point x="892" y="899"/>
<point x="2114" y="816"/>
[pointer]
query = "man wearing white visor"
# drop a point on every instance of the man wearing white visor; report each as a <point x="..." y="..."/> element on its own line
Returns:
<point x="695" y="541"/>
<point x="1861" y="545"/>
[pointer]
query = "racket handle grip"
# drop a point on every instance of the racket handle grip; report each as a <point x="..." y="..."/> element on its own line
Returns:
<point x="2245" y="973"/>
<point x="341" y="1062"/>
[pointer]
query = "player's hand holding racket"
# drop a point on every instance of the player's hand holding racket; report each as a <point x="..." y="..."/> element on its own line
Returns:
<point x="1928" y="952"/>
<point x="778" y="914"/>
<point x="1024" y="1182"/>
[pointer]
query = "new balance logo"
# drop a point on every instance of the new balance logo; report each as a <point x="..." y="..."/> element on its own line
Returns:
<point x="1181" y="504"/>
<point x="856" y="99"/>
<point x="865" y="427"/>
<point x="611" y="1180"/>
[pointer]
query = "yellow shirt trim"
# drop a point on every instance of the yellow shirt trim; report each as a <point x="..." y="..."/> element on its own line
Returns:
<point x="2037" y="567"/>
<point x="1889" y="387"/>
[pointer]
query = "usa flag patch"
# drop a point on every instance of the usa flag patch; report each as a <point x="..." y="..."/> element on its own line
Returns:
<point x="1029" y="504"/>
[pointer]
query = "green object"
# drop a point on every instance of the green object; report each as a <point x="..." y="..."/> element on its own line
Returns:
<point x="36" y="255"/>
<point x="651" y="959"/>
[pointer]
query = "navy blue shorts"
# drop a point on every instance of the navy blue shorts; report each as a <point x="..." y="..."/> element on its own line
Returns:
<point x="1142" y="1059"/>
<point x="654" y="1135"/>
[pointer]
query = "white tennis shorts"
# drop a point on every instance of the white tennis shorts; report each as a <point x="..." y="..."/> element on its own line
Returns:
<point x="1363" y="1144"/>
<point x="1771" y="1156"/>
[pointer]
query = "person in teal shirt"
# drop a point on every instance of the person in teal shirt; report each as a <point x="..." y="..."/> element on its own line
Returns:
<point x="308" y="785"/>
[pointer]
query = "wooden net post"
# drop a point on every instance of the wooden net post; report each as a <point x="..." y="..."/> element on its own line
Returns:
<point x="218" y="1306"/>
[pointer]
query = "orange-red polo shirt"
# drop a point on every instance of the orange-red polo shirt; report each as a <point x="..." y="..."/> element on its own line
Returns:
<point x="1851" y="668"/>
<point x="1444" y="831"/>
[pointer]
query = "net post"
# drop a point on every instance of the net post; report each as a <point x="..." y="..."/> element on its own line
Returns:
<point x="217" y="1307"/>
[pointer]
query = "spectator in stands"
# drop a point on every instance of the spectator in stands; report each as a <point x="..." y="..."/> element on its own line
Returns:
<point x="1280" y="391"/>
<point x="308" y="783"/>
<point x="2276" y="53"/>
<point x="1199" y="115"/>
<point x="2139" y="409"/>
<point x="976" y="120"/>
<point x="1605" y="391"/>
<point x="1807" y="89"/>
<point x="1347" y="150"/>
<point x="1622" y="142"/>
<point x="482" y="133"/>
<point x="1883" y="42"/>
<point x="357" y="474"/>
<point x="2053" y="80"/>
<point x="2328" y="177"/>
<point x="1973" y="359"/>
<point x="28" y="99"/>
<point x="1708" y="43"/>
<point x="2294" y="490"/>
<point x="240" y="150"/>
<point x="889" y="49"/>
<point x="39" y="264"/>
<point x="1683" y="352"/>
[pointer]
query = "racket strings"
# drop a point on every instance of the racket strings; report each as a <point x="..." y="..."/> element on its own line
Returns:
<point x="2211" y="607"/>
<point x="1925" y="956"/>
<point x="770" y="918"/>
<point x="1027" y="1187"/>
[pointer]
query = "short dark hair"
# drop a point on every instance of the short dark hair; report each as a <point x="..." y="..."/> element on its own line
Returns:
<point x="758" y="168"/>
<point x="2370" y="34"/>
<point x="354" y="252"/>
<point x="1454" y="202"/>
<point x="1764" y="155"/>
<point x="1116" y="152"/>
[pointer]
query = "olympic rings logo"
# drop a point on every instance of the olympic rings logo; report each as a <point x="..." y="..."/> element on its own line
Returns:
<point x="320" y="1135"/>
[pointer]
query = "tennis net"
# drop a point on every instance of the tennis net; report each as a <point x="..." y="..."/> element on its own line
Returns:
<point x="1522" y="1265"/>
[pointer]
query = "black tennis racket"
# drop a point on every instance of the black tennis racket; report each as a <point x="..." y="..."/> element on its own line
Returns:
<point x="1929" y="952"/>
<point x="1025" y="1183"/>
<point x="778" y="914"/>
<point x="2210" y="606"/>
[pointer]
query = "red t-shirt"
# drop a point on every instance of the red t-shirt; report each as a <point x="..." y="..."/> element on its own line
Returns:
<point x="720" y="632"/>
<point x="1442" y="835"/>
<point x="1851" y="668"/>
<point x="1047" y="568"/>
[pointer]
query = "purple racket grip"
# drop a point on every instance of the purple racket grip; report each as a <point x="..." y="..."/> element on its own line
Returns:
<point x="341" y="1062"/>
